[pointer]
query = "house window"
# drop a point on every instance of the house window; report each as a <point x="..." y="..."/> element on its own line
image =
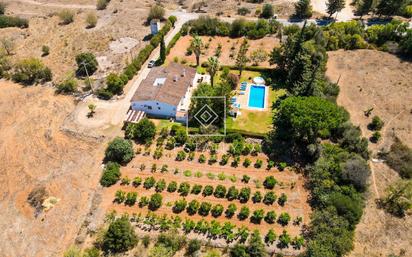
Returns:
<point x="158" y="108"/>
<point x="149" y="107"/>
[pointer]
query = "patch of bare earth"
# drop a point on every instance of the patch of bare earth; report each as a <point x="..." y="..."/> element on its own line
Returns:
<point x="230" y="48"/>
<point x="378" y="80"/>
<point x="36" y="153"/>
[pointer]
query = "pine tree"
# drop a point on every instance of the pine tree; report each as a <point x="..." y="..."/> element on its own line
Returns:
<point x="303" y="9"/>
<point x="242" y="59"/>
<point x="334" y="6"/>
<point x="364" y="7"/>
<point x="389" y="7"/>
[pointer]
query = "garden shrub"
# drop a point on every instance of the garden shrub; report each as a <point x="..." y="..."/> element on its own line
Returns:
<point x="119" y="237"/>
<point x="10" y="21"/>
<point x="111" y="174"/>
<point x="399" y="158"/>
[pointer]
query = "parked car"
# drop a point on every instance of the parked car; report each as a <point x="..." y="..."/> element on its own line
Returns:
<point x="151" y="64"/>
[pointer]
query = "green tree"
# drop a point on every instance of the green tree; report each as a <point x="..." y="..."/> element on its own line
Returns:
<point x="303" y="9"/>
<point x="334" y="6"/>
<point x="241" y="58"/>
<point x="363" y="7"/>
<point x="270" y="237"/>
<point x="270" y="217"/>
<point x="257" y="216"/>
<point x="86" y="64"/>
<point x="270" y="182"/>
<point x="69" y="85"/>
<point x="193" y="247"/>
<point x="230" y="211"/>
<point x="197" y="45"/>
<point x="304" y="119"/>
<point x="389" y="7"/>
<point x="144" y="131"/>
<point x="114" y="83"/>
<point x="284" y="240"/>
<point x="119" y="237"/>
<point x="213" y="68"/>
<point x="239" y="250"/>
<point x="244" y="213"/>
<point x="192" y="207"/>
<point x="162" y="50"/>
<point x="267" y="11"/>
<point x="119" y="150"/>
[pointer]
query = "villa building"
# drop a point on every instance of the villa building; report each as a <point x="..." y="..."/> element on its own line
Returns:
<point x="166" y="91"/>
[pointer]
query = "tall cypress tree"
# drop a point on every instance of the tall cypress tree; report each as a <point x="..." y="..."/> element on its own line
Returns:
<point x="162" y="50"/>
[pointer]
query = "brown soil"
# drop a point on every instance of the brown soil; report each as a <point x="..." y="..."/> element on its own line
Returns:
<point x="382" y="81"/>
<point x="227" y="43"/>
<point x="297" y="196"/>
<point x="34" y="152"/>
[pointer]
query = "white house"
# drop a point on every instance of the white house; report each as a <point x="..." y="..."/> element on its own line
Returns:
<point x="166" y="91"/>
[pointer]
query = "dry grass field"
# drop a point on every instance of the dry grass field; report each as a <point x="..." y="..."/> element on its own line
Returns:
<point x="372" y="79"/>
<point x="35" y="152"/>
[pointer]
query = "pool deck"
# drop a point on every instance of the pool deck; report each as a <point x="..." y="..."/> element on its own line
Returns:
<point x="244" y="99"/>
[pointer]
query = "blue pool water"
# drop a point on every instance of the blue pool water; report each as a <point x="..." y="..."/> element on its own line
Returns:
<point x="257" y="97"/>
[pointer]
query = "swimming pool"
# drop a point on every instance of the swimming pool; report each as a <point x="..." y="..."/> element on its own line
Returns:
<point x="257" y="97"/>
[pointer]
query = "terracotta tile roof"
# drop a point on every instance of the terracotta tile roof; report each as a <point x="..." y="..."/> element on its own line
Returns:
<point x="171" y="85"/>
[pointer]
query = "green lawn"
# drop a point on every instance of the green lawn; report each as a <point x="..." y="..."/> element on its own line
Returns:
<point x="255" y="122"/>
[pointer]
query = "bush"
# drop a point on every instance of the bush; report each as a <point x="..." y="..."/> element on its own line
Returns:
<point x="181" y="156"/>
<point x="257" y="216"/>
<point x="202" y="158"/>
<point x="9" y="21"/>
<point x="86" y="64"/>
<point x="267" y="11"/>
<point x="269" y="198"/>
<point x="244" y="213"/>
<point x="398" y="198"/>
<point x="45" y="50"/>
<point x="131" y="198"/>
<point x="102" y="4"/>
<point x="193" y="246"/>
<point x="376" y="136"/>
<point x="230" y="211"/>
<point x="196" y="189"/>
<point x="257" y="197"/>
<point x="232" y="193"/>
<point x="247" y="162"/>
<point x="160" y="185"/>
<point x="31" y="71"/>
<point x="207" y="190"/>
<point x="104" y="94"/>
<point x="120" y="236"/>
<point x="149" y="182"/>
<point x="282" y="199"/>
<point x="243" y="11"/>
<point x="184" y="189"/>
<point x="179" y="206"/>
<point x="284" y="218"/>
<point x="172" y="187"/>
<point x="91" y="20"/>
<point x="156" y="12"/>
<point x="114" y="84"/>
<point x="217" y="210"/>
<point x="111" y="174"/>
<point x="119" y="150"/>
<point x="399" y="158"/>
<point x="2" y="8"/>
<point x="155" y="201"/>
<point x="220" y="191"/>
<point x="270" y="217"/>
<point x="172" y="20"/>
<point x="270" y="182"/>
<point x="66" y="17"/>
<point x="192" y="207"/>
<point x="244" y="195"/>
<point x="376" y="124"/>
<point x="67" y="86"/>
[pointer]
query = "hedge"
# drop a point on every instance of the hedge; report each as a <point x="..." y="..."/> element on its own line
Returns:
<point x="144" y="54"/>
<point x="173" y="42"/>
